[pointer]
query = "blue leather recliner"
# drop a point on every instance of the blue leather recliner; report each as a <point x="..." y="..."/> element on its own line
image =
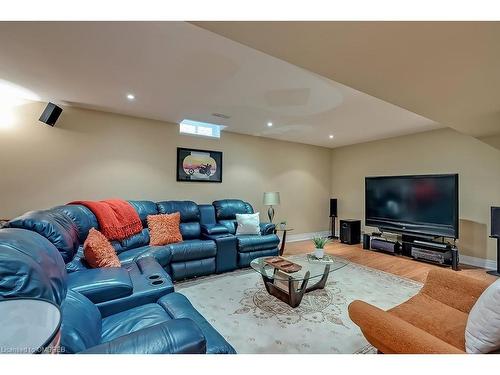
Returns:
<point x="194" y="256"/>
<point x="31" y="266"/>
<point x="248" y="247"/>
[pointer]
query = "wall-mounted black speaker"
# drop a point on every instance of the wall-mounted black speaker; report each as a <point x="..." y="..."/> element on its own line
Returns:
<point x="495" y="221"/>
<point x="50" y="114"/>
<point x="333" y="207"/>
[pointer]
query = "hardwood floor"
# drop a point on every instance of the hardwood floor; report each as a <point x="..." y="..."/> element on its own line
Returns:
<point x="397" y="265"/>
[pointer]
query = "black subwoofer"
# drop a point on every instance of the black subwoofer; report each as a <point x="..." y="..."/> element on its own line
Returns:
<point x="350" y="231"/>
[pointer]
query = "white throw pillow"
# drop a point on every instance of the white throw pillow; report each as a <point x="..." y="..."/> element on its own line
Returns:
<point x="482" y="333"/>
<point x="248" y="223"/>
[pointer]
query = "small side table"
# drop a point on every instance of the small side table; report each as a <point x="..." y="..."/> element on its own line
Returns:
<point x="283" y="238"/>
<point x="29" y="326"/>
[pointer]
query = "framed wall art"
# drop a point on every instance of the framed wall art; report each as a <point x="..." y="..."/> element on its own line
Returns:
<point x="199" y="165"/>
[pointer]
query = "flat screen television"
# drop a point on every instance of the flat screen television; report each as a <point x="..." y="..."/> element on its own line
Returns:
<point x="424" y="205"/>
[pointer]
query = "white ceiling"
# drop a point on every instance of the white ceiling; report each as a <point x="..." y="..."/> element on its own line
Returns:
<point x="446" y="71"/>
<point x="177" y="70"/>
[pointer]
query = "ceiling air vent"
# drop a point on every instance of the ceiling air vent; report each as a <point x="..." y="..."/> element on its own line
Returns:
<point x="221" y="115"/>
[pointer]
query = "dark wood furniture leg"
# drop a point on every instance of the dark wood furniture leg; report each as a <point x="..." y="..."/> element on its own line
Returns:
<point x="294" y="297"/>
<point x="283" y="240"/>
<point x="322" y="282"/>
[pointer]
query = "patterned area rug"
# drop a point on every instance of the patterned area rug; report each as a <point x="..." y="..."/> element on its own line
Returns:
<point x="239" y="307"/>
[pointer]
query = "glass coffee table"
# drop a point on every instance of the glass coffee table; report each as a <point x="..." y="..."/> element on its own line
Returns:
<point x="29" y="325"/>
<point x="290" y="287"/>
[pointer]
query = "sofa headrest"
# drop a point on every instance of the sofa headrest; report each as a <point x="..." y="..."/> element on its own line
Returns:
<point x="144" y="208"/>
<point x="83" y="218"/>
<point x="30" y="266"/>
<point x="189" y="210"/>
<point x="226" y="209"/>
<point x="207" y="214"/>
<point x="55" y="226"/>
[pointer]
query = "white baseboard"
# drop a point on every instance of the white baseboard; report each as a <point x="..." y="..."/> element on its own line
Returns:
<point x="306" y="236"/>
<point x="478" y="262"/>
<point x="465" y="259"/>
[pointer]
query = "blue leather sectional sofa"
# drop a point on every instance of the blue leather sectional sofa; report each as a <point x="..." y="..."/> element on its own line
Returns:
<point x="132" y="309"/>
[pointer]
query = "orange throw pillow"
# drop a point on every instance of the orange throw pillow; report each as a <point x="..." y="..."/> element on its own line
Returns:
<point x="98" y="251"/>
<point x="164" y="229"/>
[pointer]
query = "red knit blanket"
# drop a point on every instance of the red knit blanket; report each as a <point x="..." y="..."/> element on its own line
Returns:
<point x="117" y="218"/>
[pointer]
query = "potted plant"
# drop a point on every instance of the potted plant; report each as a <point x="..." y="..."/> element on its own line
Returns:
<point x="319" y="246"/>
<point x="283" y="224"/>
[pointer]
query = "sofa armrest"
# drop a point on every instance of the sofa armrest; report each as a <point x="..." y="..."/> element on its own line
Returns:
<point x="267" y="228"/>
<point x="452" y="289"/>
<point x="178" y="336"/>
<point x="150" y="282"/>
<point x="213" y="229"/>
<point x="101" y="284"/>
<point x="392" y="335"/>
<point x="179" y="307"/>
<point x="149" y="266"/>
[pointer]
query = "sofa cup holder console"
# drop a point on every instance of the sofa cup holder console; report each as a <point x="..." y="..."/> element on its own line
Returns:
<point x="155" y="280"/>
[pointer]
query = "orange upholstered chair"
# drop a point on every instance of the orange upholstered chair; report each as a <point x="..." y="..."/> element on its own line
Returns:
<point x="433" y="321"/>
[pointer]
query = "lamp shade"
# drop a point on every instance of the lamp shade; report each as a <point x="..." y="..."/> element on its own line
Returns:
<point x="271" y="198"/>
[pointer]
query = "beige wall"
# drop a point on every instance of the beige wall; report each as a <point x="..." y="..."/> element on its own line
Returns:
<point x="97" y="155"/>
<point x="439" y="151"/>
<point x="492" y="140"/>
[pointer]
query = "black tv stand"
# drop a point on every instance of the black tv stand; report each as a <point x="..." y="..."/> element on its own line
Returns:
<point x="435" y="250"/>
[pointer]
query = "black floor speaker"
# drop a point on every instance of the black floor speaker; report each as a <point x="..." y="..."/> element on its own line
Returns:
<point x="333" y="207"/>
<point x="350" y="231"/>
<point x="495" y="233"/>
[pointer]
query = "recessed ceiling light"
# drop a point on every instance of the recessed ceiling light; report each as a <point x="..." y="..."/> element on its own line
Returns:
<point x="130" y="96"/>
<point x="330" y="136"/>
<point x="269" y="124"/>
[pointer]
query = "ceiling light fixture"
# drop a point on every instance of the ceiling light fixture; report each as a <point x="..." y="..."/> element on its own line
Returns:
<point x="330" y="136"/>
<point x="130" y="96"/>
<point x="269" y="124"/>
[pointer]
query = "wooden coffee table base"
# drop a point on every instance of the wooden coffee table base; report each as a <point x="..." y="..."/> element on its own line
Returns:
<point x="294" y="295"/>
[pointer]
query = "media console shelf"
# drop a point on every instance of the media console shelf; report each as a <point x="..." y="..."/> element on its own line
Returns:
<point x="424" y="249"/>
